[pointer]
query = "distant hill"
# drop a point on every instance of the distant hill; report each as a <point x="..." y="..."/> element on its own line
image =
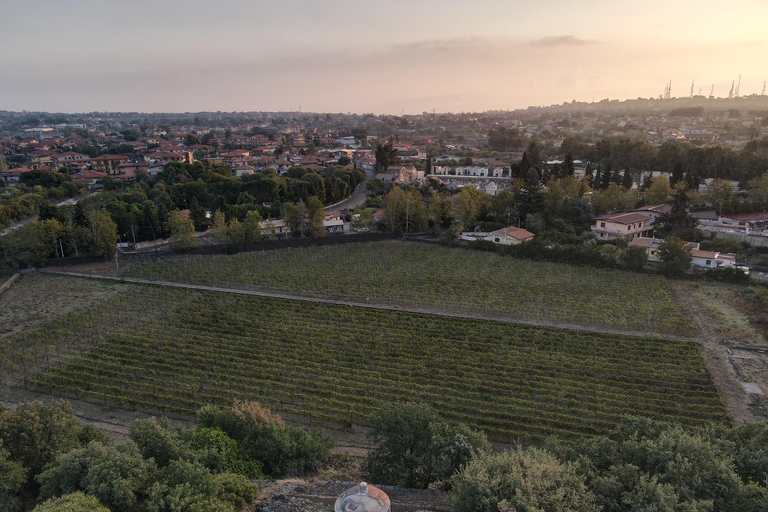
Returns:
<point x="649" y="106"/>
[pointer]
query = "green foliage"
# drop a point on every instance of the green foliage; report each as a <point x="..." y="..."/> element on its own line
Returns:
<point x="416" y="448"/>
<point x="74" y="502"/>
<point x="186" y="486"/>
<point x="219" y="452"/>
<point x="443" y="278"/>
<point x="156" y="440"/>
<point x="645" y="463"/>
<point x="633" y="258"/>
<point x="182" y="231"/>
<point x="104" y="232"/>
<point x="728" y="275"/>
<point x="263" y="436"/>
<point x="36" y="433"/>
<point x="12" y="477"/>
<point x="117" y="475"/>
<point x="675" y="256"/>
<point x="530" y="480"/>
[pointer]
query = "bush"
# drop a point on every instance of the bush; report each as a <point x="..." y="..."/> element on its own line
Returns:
<point x="263" y="436"/>
<point x="74" y="502"/>
<point x="728" y="275"/>
<point x="417" y="448"/>
<point x="531" y="480"/>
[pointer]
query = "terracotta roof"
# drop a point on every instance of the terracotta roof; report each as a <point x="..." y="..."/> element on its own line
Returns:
<point x="748" y="217"/>
<point x="514" y="232"/>
<point x="625" y="218"/>
<point x="657" y="208"/>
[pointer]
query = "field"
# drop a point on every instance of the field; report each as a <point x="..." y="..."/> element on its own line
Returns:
<point x="160" y="349"/>
<point x="433" y="278"/>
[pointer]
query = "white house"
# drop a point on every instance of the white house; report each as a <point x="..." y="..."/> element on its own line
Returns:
<point x="711" y="259"/>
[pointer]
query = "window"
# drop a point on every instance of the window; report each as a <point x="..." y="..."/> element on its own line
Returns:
<point x="628" y="227"/>
<point x="497" y="240"/>
<point x="709" y="263"/>
<point x="602" y="224"/>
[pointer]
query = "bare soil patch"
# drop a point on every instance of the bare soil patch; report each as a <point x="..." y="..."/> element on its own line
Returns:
<point x="38" y="298"/>
<point x="717" y="310"/>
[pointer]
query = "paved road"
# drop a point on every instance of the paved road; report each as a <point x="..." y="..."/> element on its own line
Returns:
<point x="357" y="198"/>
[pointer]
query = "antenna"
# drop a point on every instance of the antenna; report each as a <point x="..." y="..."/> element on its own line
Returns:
<point x="712" y="91"/>
<point x="763" y="93"/>
<point x="699" y="91"/>
<point x="738" y="86"/>
<point x="691" y="88"/>
<point x="730" y="94"/>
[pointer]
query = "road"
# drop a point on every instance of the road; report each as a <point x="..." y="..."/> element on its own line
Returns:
<point x="69" y="201"/>
<point x="357" y="197"/>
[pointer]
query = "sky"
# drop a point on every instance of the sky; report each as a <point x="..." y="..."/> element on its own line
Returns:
<point x="393" y="56"/>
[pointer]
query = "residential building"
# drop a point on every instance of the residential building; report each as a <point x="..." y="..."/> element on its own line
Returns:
<point x="630" y="225"/>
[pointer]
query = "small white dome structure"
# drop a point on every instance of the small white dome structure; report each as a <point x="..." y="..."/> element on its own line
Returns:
<point x="363" y="498"/>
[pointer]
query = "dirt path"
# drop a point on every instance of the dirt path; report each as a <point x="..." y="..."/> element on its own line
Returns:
<point x="715" y="354"/>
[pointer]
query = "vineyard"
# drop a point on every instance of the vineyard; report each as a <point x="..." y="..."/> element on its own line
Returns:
<point x="172" y="351"/>
<point x="429" y="277"/>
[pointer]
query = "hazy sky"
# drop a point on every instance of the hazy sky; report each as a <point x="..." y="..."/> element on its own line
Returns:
<point x="362" y="56"/>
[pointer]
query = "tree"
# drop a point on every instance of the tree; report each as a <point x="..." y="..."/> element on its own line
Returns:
<point x="74" y="502"/>
<point x="720" y="195"/>
<point x="659" y="191"/>
<point x="531" y="480"/>
<point x="607" y="178"/>
<point x="292" y="216"/>
<point x="116" y="474"/>
<point x="404" y="210"/>
<point x="627" y="180"/>
<point x="182" y="231"/>
<point x="219" y="228"/>
<point x="678" y="175"/>
<point x="316" y="216"/>
<point x="12" y="477"/>
<point x="36" y="433"/>
<point x="675" y="255"/>
<point x="104" y="231"/>
<point x="386" y="155"/>
<point x="633" y="258"/>
<point x="465" y="205"/>
<point x="568" y="167"/>
<point x="251" y="230"/>
<point x="415" y="447"/>
<point x="679" y="222"/>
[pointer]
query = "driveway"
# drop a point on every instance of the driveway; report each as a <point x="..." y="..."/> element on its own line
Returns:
<point x="357" y="198"/>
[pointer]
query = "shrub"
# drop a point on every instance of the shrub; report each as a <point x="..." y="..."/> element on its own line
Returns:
<point x="531" y="480"/>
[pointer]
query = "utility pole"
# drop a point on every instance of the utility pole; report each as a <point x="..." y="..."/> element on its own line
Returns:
<point x="738" y="86"/>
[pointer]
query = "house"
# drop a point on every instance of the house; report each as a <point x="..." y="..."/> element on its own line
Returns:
<point x="651" y="246"/>
<point x="108" y="163"/>
<point x="243" y="170"/>
<point x="274" y="227"/>
<point x="655" y="211"/>
<point x="334" y="226"/>
<point x="699" y="258"/>
<point x="511" y="235"/>
<point x="630" y="225"/>
<point x="90" y="178"/>
<point x="11" y="177"/>
<point x="711" y="259"/>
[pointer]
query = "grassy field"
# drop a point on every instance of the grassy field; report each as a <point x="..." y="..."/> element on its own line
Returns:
<point x="173" y="350"/>
<point x="442" y="279"/>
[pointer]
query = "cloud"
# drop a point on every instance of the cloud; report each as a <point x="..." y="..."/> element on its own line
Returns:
<point x="441" y="45"/>
<point x="561" y="41"/>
